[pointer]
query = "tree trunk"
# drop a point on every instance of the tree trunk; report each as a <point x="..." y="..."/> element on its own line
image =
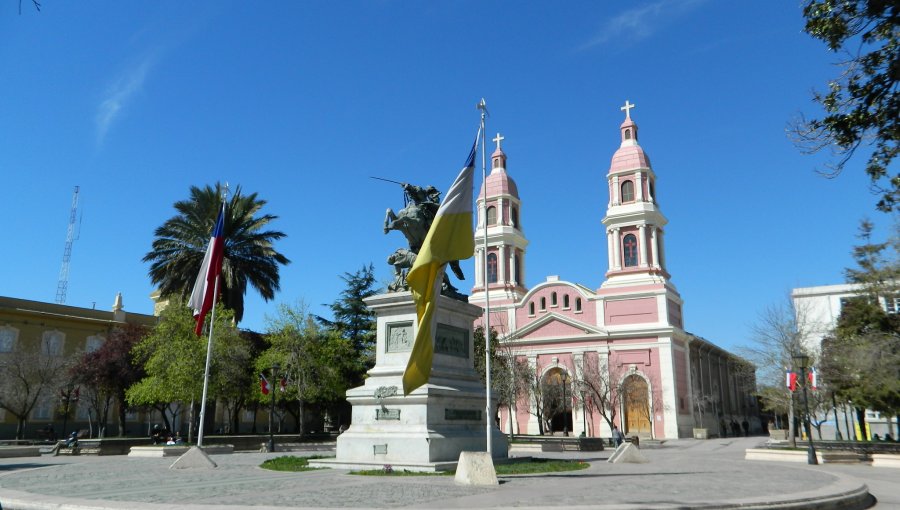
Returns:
<point x="20" y="427"/>
<point x="791" y="428"/>
<point x="861" y="419"/>
<point x="120" y="412"/>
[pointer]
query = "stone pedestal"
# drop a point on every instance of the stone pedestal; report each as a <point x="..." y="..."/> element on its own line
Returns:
<point x="428" y="429"/>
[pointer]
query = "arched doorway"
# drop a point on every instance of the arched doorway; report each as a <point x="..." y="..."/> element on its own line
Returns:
<point x="637" y="405"/>
<point x="557" y="396"/>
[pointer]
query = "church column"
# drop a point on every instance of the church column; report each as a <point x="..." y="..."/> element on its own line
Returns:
<point x="653" y="247"/>
<point x="501" y="216"/>
<point x="502" y="264"/>
<point x="479" y="263"/>
<point x="513" y="267"/>
<point x="642" y="234"/>
<point x="639" y="187"/>
<point x="609" y="249"/>
<point x="617" y="250"/>
<point x="532" y="426"/>
<point x="578" y="415"/>
<point x="615" y="193"/>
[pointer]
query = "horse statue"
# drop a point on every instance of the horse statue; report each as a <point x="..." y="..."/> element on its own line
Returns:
<point x="414" y="221"/>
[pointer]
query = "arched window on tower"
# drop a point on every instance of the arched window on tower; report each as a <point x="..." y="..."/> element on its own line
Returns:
<point x="492" y="215"/>
<point x="496" y="163"/>
<point x="629" y="251"/>
<point x="514" y="214"/>
<point x="627" y="191"/>
<point x="492" y="268"/>
<point x="518" y="269"/>
<point x="628" y="134"/>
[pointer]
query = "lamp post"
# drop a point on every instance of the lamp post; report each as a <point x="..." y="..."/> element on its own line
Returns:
<point x="565" y="381"/>
<point x="584" y="414"/>
<point x="802" y="362"/>
<point x="275" y="367"/>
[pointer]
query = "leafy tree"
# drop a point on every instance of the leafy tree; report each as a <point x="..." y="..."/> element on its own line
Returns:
<point x="26" y="376"/>
<point x="174" y="359"/>
<point x="181" y="243"/>
<point x="861" y="359"/>
<point x="505" y="386"/>
<point x="862" y="105"/>
<point x="106" y="374"/>
<point x="352" y="318"/>
<point x="316" y="362"/>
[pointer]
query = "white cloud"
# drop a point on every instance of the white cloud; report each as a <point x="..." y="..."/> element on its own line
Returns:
<point x="120" y="93"/>
<point x="641" y="22"/>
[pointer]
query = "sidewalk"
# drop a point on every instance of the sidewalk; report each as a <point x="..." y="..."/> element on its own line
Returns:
<point x="681" y="474"/>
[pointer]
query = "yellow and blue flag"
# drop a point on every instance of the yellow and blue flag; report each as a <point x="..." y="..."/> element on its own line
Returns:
<point x="449" y="238"/>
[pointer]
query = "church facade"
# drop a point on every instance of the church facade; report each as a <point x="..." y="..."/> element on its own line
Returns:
<point x="615" y="355"/>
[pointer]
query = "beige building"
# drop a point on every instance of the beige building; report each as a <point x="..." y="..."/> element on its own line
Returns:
<point x="59" y="333"/>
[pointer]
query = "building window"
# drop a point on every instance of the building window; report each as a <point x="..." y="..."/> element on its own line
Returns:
<point x="8" y="337"/>
<point x="42" y="410"/>
<point x="565" y="301"/>
<point x="531" y="308"/>
<point x="629" y="250"/>
<point x="577" y="304"/>
<point x="553" y="299"/>
<point x="892" y="304"/>
<point x="93" y="343"/>
<point x="518" y="269"/>
<point x="514" y="213"/>
<point x="628" y="191"/>
<point x="496" y="163"/>
<point x="52" y="343"/>
<point x="543" y="304"/>
<point x="492" y="268"/>
<point x="628" y="134"/>
<point x="492" y="215"/>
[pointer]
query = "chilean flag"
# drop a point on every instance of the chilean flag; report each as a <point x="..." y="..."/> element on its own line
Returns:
<point x="813" y="378"/>
<point x="791" y="380"/>
<point x="263" y="384"/>
<point x="202" y="297"/>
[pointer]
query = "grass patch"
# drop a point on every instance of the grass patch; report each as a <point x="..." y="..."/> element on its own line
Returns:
<point x="289" y="463"/>
<point x="536" y="466"/>
<point x="533" y="466"/>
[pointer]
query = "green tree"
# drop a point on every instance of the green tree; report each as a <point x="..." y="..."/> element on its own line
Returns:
<point x="316" y="362"/>
<point x="862" y="105"/>
<point x="174" y="359"/>
<point x="249" y="258"/>
<point x="352" y="318"/>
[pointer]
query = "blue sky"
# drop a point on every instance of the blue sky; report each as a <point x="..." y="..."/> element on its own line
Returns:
<point x="303" y="101"/>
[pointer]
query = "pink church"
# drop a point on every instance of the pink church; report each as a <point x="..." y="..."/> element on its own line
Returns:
<point x="617" y="354"/>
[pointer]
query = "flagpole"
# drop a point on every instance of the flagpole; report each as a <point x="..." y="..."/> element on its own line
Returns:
<point x="488" y="418"/>
<point x="209" y="343"/>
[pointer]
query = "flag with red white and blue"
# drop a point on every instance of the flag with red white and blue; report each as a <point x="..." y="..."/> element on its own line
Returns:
<point x="202" y="298"/>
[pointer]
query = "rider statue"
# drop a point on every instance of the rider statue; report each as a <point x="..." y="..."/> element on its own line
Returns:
<point x="413" y="221"/>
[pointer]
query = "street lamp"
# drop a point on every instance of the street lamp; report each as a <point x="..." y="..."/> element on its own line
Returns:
<point x="275" y="367"/>
<point x="565" y="380"/>
<point x="802" y="362"/>
<point x="584" y="414"/>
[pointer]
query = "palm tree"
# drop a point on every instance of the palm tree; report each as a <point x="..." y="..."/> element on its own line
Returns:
<point x="181" y="242"/>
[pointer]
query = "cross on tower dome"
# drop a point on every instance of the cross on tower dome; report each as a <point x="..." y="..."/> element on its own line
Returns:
<point x="498" y="139"/>
<point x="627" y="109"/>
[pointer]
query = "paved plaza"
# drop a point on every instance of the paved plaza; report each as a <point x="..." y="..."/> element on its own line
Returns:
<point x="681" y="474"/>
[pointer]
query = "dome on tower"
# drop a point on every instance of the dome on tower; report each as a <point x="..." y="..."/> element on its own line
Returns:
<point x="499" y="182"/>
<point x="630" y="155"/>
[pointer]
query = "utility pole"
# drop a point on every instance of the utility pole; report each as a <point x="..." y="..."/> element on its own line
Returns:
<point x="63" y="285"/>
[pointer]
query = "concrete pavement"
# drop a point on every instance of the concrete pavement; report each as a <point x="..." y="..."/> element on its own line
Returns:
<point x="681" y="474"/>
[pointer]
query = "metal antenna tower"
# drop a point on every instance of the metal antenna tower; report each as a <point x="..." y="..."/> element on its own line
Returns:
<point x="67" y="253"/>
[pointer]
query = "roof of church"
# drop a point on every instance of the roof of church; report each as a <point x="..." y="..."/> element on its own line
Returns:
<point x="499" y="182"/>
<point x="630" y="155"/>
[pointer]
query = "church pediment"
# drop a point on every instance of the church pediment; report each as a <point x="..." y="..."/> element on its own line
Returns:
<point x="556" y="326"/>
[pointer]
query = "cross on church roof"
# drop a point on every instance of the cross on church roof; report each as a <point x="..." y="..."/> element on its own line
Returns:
<point x="627" y="109"/>
<point x="498" y="139"/>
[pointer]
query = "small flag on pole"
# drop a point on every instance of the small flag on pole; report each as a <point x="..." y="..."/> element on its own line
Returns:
<point x="813" y="378"/>
<point x="283" y="384"/>
<point x="263" y="384"/>
<point x="449" y="238"/>
<point x="791" y="380"/>
<point x="202" y="297"/>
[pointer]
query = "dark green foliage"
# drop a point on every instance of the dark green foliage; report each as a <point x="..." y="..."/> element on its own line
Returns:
<point x="352" y="318"/>
<point x="249" y="258"/>
<point x="862" y="105"/>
